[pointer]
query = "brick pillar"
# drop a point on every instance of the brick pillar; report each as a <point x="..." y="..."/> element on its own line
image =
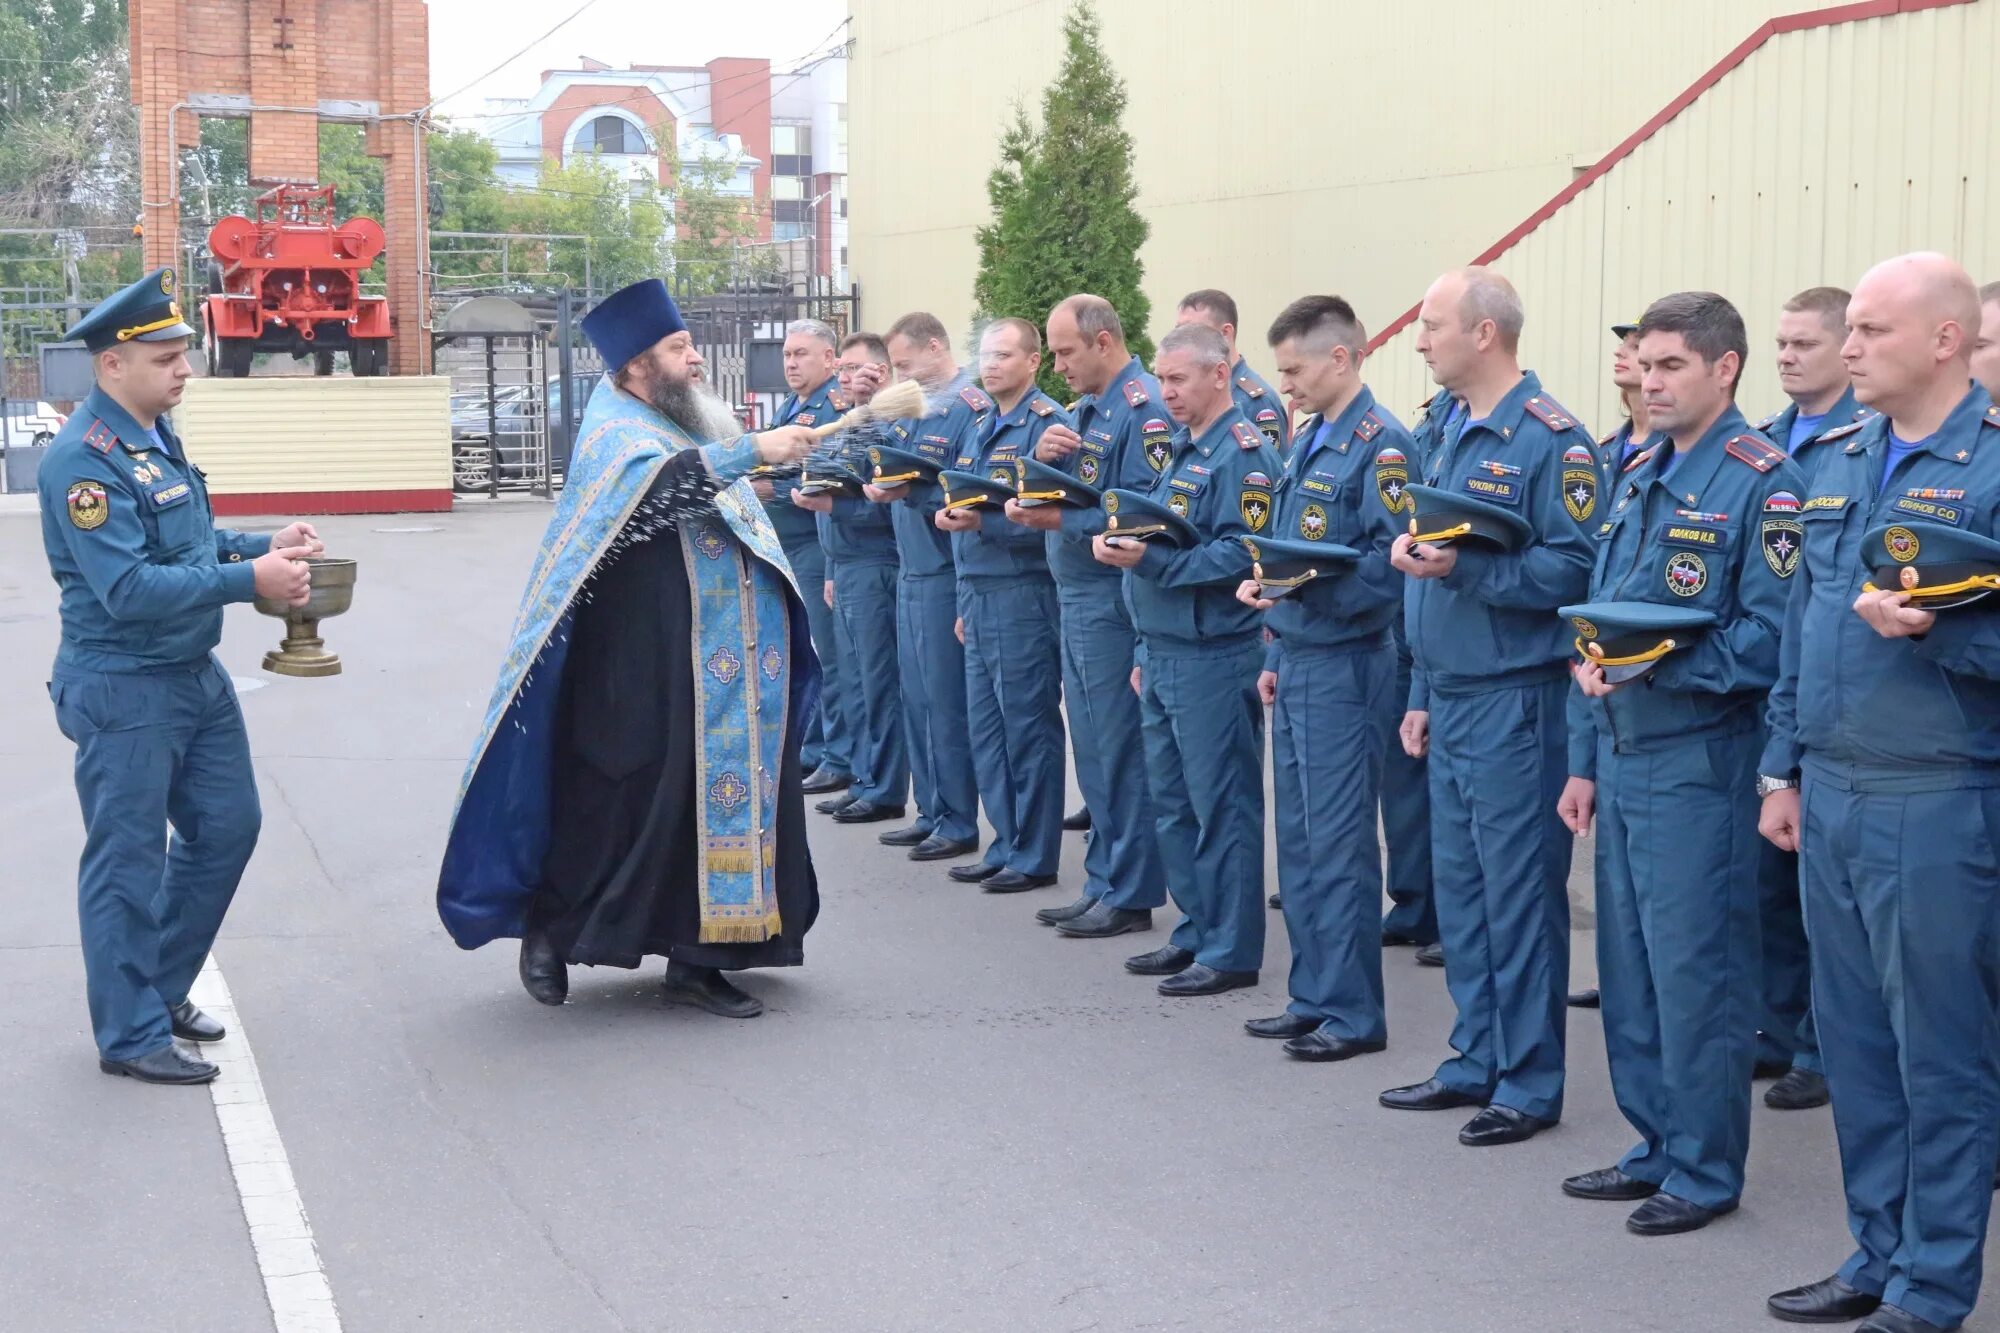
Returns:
<point x="155" y="30"/>
<point x="403" y="56"/>
<point x="284" y="72"/>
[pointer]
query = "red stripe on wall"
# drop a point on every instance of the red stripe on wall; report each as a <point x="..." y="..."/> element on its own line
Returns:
<point x="293" y="503"/>
<point x="1818" y="18"/>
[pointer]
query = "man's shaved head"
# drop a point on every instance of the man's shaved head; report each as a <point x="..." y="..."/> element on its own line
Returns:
<point x="1936" y="287"/>
<point x="1911" y="328"/>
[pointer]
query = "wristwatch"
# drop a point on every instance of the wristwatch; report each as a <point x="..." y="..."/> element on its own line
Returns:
<point x="1766" y="784"/>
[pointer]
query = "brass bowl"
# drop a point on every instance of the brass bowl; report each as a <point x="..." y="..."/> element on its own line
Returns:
<point x="303" y="652"/>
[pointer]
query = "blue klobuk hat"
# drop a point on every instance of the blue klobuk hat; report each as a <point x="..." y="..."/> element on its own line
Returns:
<point x="630" y="320"/>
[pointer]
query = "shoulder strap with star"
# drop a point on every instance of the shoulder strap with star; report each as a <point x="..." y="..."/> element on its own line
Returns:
<point x="1550" y="413"/>
<point x="1247" y="435"/>
<point x="976" y="400"/>
<point x="1135" y="393"/>
<point x="1755" y="450"/>
<point x="1041" y="406"/>
<point x="1366" y="429"/>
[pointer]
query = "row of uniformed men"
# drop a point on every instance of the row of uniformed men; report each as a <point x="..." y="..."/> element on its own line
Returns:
<point x="1596" y="627"/>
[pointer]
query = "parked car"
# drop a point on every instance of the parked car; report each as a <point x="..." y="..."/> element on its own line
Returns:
<point x="29" y="424"/>
<point x="517" y="430"/>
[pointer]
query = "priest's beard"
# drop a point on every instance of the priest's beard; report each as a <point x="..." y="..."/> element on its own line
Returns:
<point x="694" y="407"/>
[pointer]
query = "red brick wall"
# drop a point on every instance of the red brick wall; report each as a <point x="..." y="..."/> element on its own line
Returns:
<point x="739" y="92"/>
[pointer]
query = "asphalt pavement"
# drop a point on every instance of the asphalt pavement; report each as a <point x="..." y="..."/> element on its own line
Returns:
<point x="950" y="1119"/>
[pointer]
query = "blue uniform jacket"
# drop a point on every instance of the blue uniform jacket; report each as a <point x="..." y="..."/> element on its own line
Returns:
<point x="941" y="438"/>
<point x="1262" y="406"/>
<point x="1615" y="450"/>
<point x="1222" y="484"/>
<point x="1490" y="621"/>
<point x="1428" y="434"/>
<point x="1718" y="533"/>
<point x="857" y="531"/>
<point x="824" y="404"/>
<point x="1915" y="714"/>
<point x="1343" y="486"/>
<point x="1845" y="412"/>
<point x="143" y="571"/>
<point x="998" y="548"/>
<point x="1126" y="436"/>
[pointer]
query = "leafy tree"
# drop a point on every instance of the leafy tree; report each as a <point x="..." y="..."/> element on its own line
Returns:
<point x="1062" y="199"/>
<point x="707" y="225"/>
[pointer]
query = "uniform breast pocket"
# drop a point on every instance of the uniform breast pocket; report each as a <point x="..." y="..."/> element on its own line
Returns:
<point x="1319" y="511"/>
<point x="1823" y="526"/>
<point x="1694" y="562"/>
<point x="176" y="516"/>
<point x="1186" y="496"/>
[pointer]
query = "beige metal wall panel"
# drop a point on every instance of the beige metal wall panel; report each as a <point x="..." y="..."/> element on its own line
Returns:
<point x="1282" y="146"/>
<point x="264" y="436"/>
<point x="1771" y="181"/>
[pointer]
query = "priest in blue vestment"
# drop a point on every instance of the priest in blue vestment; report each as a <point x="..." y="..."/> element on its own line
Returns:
<point x="635" y="787"/>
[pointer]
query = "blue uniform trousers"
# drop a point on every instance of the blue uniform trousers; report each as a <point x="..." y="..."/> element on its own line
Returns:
<point x="1013" y="703"/>
<point x="1786" y="1031"/>
<point x="1121" y="860"/>
<point x="154" y="749"/>
<point x="829" y="735"/>
<point x="1900" y="899"/>
<point x="1406" y="818"/>
<point x="1677" y="957"/>
<point x="1204" y="727"/>
<point x="931" y="663"/>
<point x="864" y="614"/>
<point x="1326" y="762"/>
<point x="1501" y="855"/>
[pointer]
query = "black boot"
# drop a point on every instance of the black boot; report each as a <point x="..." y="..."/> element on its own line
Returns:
<point x="543" y="973"/>
<point x="706" y="988"/>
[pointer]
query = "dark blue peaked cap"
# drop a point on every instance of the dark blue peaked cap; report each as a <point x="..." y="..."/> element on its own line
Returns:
<point x="1444" y="516"/>
<point x="1132" y="514"/>
<point x="145" y="312"/>
<point x="1938" y="565"/>
<point x="1052" y="485"/>
<point x="1628" y="639"/>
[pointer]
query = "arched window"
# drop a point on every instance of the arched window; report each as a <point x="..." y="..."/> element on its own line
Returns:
<point x="612" y="134"/>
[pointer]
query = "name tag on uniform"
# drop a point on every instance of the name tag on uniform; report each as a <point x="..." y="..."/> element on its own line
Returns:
<point x="168" y="496"/>
<point x="1692" y="534"/>
<point x="1934" y="511"/>
<point x="1495" y="490"/>
<point x="1183" y="484"/>
<point x="1313" y="483"/>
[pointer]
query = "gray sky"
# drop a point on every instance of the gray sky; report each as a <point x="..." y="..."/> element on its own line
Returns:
<point x="471" y="37"/>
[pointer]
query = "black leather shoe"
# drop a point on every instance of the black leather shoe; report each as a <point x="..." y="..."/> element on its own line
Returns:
<point x="1077" y="820"/>
<point x="1275" y="902"/>
<point x="1281" y="1027"/>
<point x="191" y="1024"/>
<point x="1102" y="921"/>
<point x="706" y="988"/>
<point x="973" y="873"/>
<point x="1322" y="1045"/>
<point x="1668" y="1215"/>
<point x="1396" y="939"/>
<point x="866" y="812"/>
<point x="1584" y="999"/>
<point x="1827" y="1301"/>
<point x="1201" y="979"/>
<point x="1431" y="955"/>
<point x="1611" y="1185"/>
<point x="543" y="973"/>
<point x="1051" y="916"/>
<point x="824" y="779"/>
<point x="169" y="1064"/>
<point x="1013" y="881"/>
<point x="1500" y="1124"/>
<point x="1798" y="1090"/>
<point x="904" y="837"/>
<point x="1430" y="1095"/>
<point x="1771" y="1068"/>
<point x="1895" y="1319"/>
<point x="1161" y="962"/>
<point x="935" y="848"/>
<point x="835" y="803"/>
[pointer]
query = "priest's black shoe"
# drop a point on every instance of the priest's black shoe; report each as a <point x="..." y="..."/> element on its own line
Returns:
<point x="706" y="988"/>
<point x="1103" y="921"/>
<point x="1430" y="1095"/>
<point x="169" y="1064"/>
<point x="823" y="779"/>
<point x="1497" y="1125"/>
<point x="973" y="873"/>
<point x="1669" y="1215"/>
<point x="1162" y="962"/>
<point x="1770" y="1068"/>
<point x="903" y="837"/>
<point x="1396" y="939"/>
<point x="1827" y="1301"/>
<point x="1322" y="1045"/>
<point x="1077" y="820"/>
<point x="1611" y="1185"/>
<point x="1431" y="955"/>
<point x="1052" y="916"/>
<point x="1281" y="1027"/>
<point x="1201" y="979"/>
<point x="1895" y="1319"/>
<point x="191" y="1024"/>
<point x="866" y="812"/>
<point x="543" y="973"/>
<point x="834" y="803"/>
<point x="1584" y="999"/>
<point x="1013" y="881"/>
<point x="935" y="848"/>
<point x="1799" y="1090"/>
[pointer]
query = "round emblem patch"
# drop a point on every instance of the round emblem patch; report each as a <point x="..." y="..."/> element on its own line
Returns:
<point x="1686" y="574"/>
<point x="1001" y="475"/>
<point x="1312" y="523"/>
<point x="1178" y="503"/>
<point x="1584" y="627"/>
<point x="166" y="282"/>
<point x="1902" y="544"/>
<point x="875" y="457"/>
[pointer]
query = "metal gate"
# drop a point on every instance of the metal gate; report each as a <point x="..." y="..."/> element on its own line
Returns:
<point x="739" y="334"/>
<point x="493" y="351"/>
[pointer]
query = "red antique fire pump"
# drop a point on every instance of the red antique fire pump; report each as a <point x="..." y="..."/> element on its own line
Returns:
<point x="289" y="281"/>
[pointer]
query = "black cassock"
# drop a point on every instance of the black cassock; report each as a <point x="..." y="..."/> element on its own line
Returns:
<point x="620" y="880"/>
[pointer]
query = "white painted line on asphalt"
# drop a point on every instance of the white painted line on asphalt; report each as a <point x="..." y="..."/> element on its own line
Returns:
<point x="294" y="1280"/>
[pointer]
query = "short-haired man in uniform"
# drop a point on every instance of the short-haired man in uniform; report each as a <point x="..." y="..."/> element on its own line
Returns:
<point x="1258" y="401"/>
<point x="1488" y="704"/>
<point x="809" y="353"/>
<point x="1705" y="520"/>
<point x="1197" y="675"/>
<point x="1008" y="616"/>
<point x="144" y="574"/>
<point x="1889" y="714"/>
<point x="1986" y="350"/>
<point x="1120" y="439"/>
<point x="931" y="659"/>
<point x="860" y="544"/>
<point x="1328" y="675"/>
